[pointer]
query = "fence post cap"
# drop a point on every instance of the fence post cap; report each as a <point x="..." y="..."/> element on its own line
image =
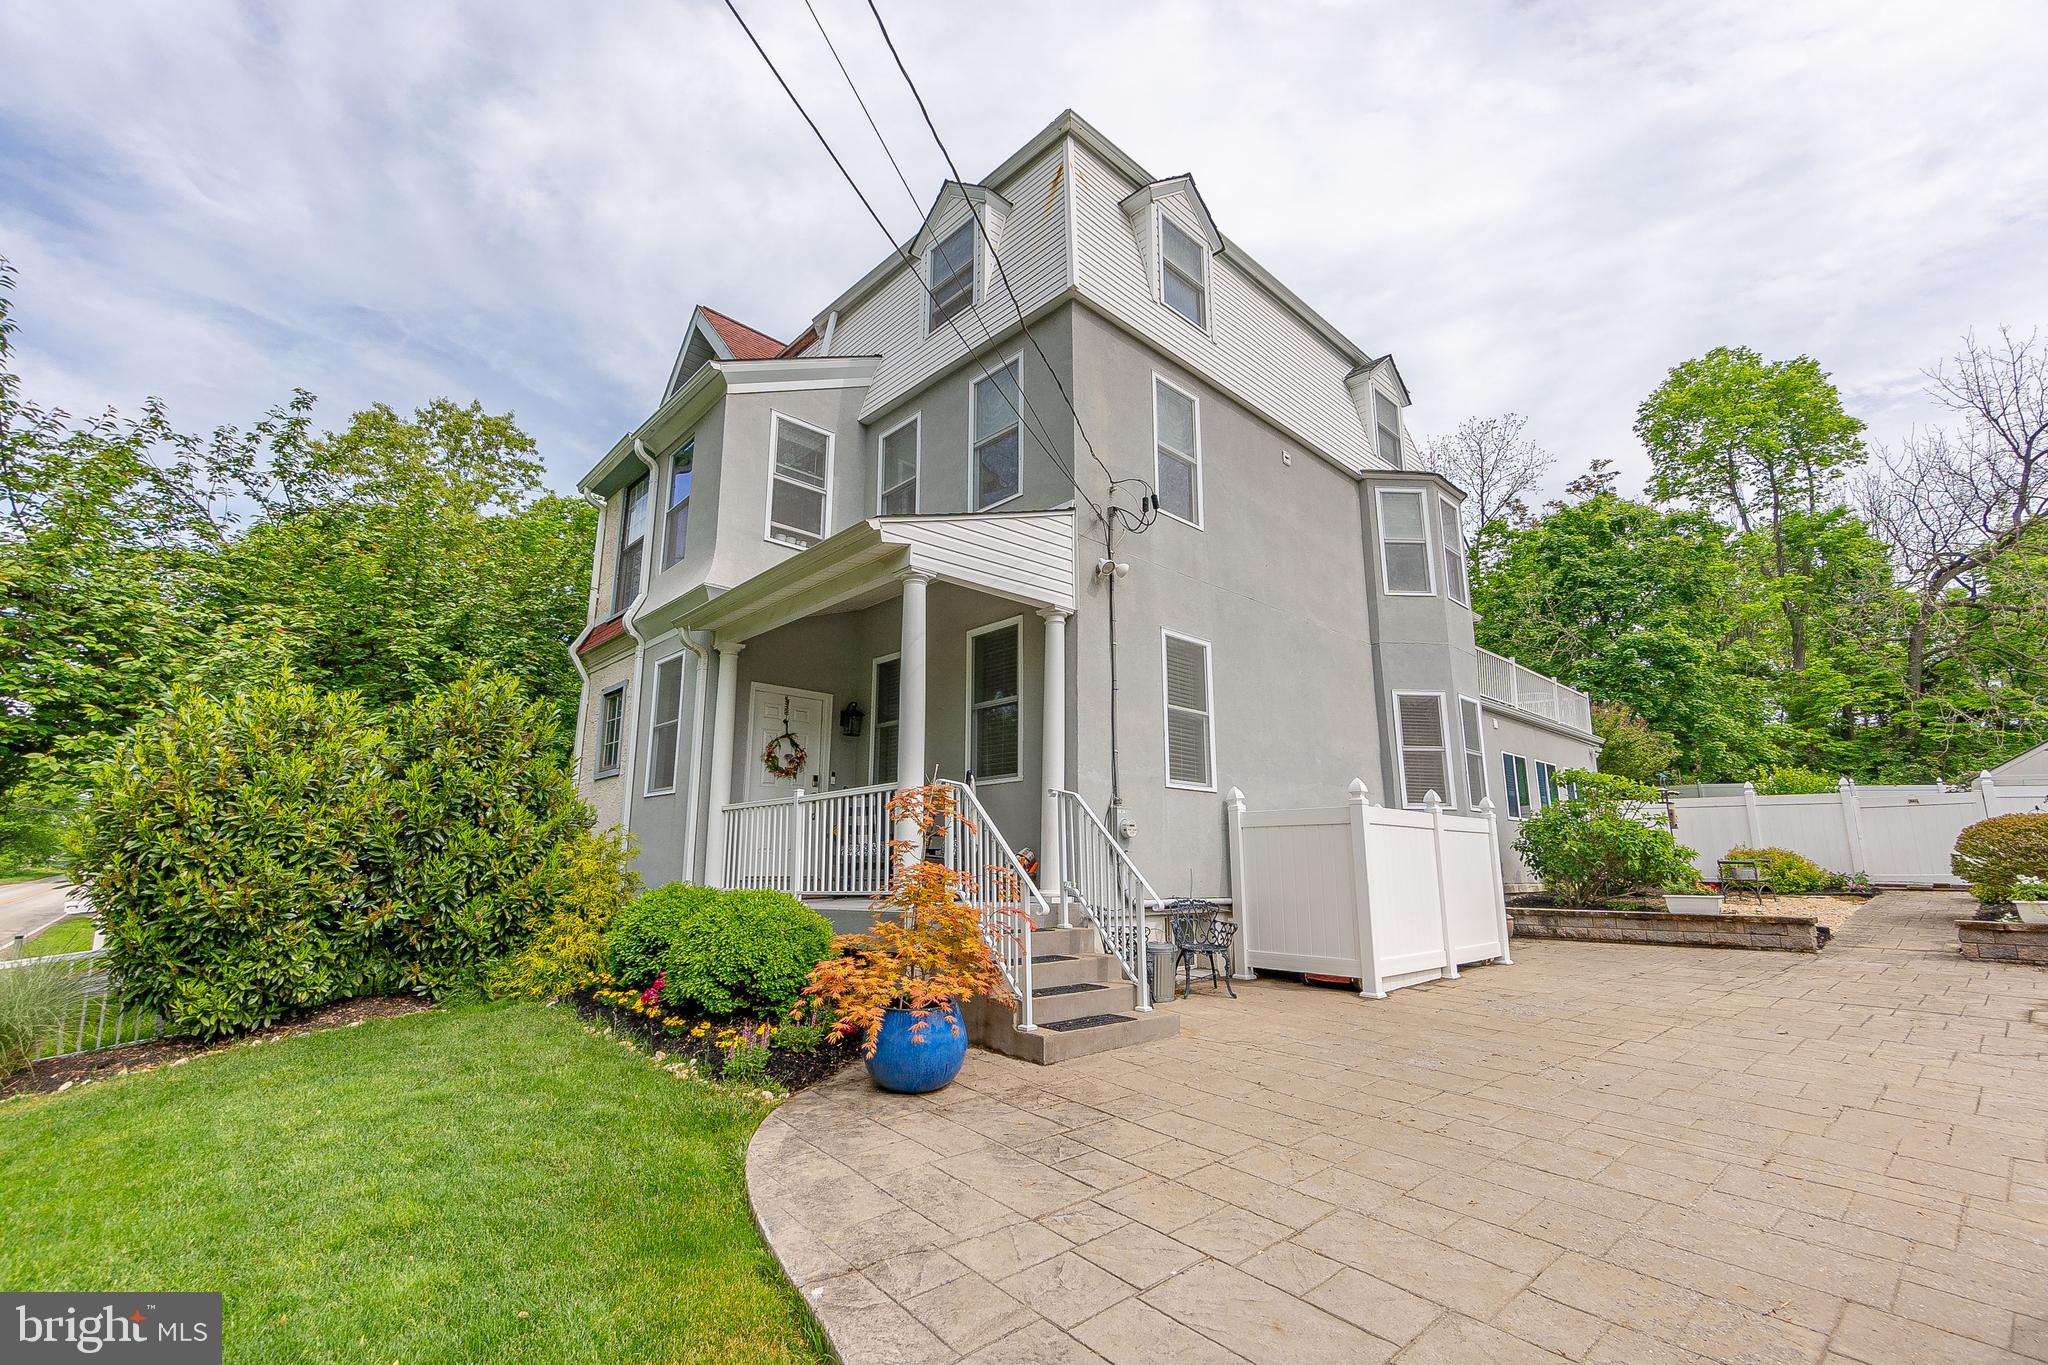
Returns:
<point x="1235" y="796"/>
<point x="1749" y="789"/>
<point x="1432" y="800"/>
<point x="1984" y="778"/>
<point x="1845" y="783"/>
<point x="1357" y="790"/>
<point x="1486" y="804"/>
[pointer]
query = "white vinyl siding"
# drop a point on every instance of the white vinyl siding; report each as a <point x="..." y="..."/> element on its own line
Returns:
<point x="950" y="268"/>
<point x="799" y="487"/>
<point x="1452" y="536"/>
<point x="1515" y="773"/>
<point x="632" y="547"/>
<point x="611" y="727"/>
<point x="1471" y="728"/>
<point x="995" y="666"/>
<point x="898" y="468"/>
<point x="1177" y="451"/>
<point x="1424" y="748"/>
<point x="1190" y="713"/>
<point x="1387" y="421"/>
<point x="665" y="735"/>
<point x="888" y="707"/>
<point x="1404" y="542"/>
<point x="1183" y="272"/>
<point x="997" y="471"/>
<point x="676" y="536"/>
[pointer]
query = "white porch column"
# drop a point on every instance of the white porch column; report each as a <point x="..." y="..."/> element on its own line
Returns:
<point x="724" y="724"/>
<point x="1053" y="757"/>
<point x="912" y="676"/>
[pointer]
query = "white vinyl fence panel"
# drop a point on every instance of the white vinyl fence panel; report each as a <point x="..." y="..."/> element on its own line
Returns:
<point x="1896" y="836"/>
<point x="1389" y="898"/>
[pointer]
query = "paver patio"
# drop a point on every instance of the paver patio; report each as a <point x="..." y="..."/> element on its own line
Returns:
<point x="1602" y="1153"/>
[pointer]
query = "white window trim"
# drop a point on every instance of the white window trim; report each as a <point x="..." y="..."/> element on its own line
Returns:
<point x="927" y="286"/>
<point x="1196" y="399"/>
<point x="1429" y="547"/>
<point x="916" y="420"/>
<point x="1528" y="809"/>
<point x="618" y="764"/>
<point x="875" y="710"/>
<point x="1450" y="798"/>
<point x="974" y="460"/>
<point x="1443" y="505"/>
<point x="1471" y="799"/>
<point x="654" y="694"/>
<point x="1544" y="800"/>
<point x="1166" y="709"/>
<point x="775" y="418"/>
<point x="1159" y="216"/>
<point x="1015" y="623"/>
<point x="621" y="599"/>
<point x="668" y="508"/>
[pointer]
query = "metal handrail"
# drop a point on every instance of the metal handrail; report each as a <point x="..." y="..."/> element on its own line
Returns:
<point x="1112" y="892"/>
<point x="996" y="884"/>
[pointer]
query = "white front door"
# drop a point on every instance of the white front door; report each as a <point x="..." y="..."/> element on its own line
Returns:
<point x="779" y="712"/>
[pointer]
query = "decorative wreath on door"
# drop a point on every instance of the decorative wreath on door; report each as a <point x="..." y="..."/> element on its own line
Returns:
<point x="784" y="756"/>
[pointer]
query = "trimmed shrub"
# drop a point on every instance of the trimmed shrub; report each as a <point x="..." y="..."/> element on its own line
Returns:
<point x="1599" y="843"/>
<point x="1993" y="855"/>
<point x="744" y="952"/>
<point x="1789" y="873"/>
<point x="1790" y="779"/>
<point x="639" y="938"/>
<point x="567" y="953"/>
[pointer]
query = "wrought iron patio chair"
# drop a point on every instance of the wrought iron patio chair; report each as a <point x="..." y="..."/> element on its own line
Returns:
<point x="1199" y="930"/>
<point x="1743" y="877"/>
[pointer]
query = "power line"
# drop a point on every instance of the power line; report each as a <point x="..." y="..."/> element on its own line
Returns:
<point x="901" y="179"/>
<point x="854" y="185"/>
<point x="997" y="262"/>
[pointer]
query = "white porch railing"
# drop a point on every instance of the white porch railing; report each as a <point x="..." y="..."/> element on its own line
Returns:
<point x="836" y="844"/>
<point x="1101" y="878"/>
<point x="1502" y="679"/>
<point x="996" y="886"/>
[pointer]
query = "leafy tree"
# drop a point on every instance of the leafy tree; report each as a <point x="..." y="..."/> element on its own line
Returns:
<point x="1630" y="747"/>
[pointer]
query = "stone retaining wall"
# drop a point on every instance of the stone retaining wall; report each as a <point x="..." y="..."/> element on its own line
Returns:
<point x="2003" y="941"/>
<point x="1782" y="933"/>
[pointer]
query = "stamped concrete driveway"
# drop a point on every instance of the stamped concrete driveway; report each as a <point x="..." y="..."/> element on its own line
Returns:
<point x="1602" y="1153"/>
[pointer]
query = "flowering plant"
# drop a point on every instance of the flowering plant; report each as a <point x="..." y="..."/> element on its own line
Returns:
<point x="926" y="949"/>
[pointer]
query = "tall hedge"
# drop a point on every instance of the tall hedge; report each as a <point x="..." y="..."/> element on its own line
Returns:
<point x="269" y="852"/>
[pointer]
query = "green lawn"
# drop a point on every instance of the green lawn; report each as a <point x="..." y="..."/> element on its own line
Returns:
<point x="73" y="935"/>
<point x="486" y="1183"/>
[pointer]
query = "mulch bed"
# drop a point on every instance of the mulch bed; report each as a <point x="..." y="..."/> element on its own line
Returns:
<point x="59" y="1073"/>
<point x="792" y="1071"/>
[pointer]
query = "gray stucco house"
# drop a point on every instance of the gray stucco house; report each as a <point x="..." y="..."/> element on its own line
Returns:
<point x="887" y="543"/>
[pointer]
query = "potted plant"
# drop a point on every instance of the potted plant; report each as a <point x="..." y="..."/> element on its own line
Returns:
<point x="901" y="984"/>
<point x="1693" y="898"/>
<point x="2030" y="898"/>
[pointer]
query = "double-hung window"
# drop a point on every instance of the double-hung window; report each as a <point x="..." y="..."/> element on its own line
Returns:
<point x="998" y="476"/>
<point x="797" y="497"/>
<point x="1453" y="539"/>
<point x="1404" y="542"/>
<point x="949" y="267"/>
<point x="898" y="475"/>
<point x="1183" y="272"/>
<point x="888" y="698"/>
<point x="1475" y="751"/>
<point x="1177" y="457"/>
<point x="1514" y="771"/>
<point x="677" y="535"/>
<point x="611" y="725"/>
<point x="993" y="672"/>
<point x="665" y="736"/>
<point x="1546" y="784"/>
<point x="1424" y="747"/>
<point x="632" y="547"/>
<point x="1190" y="714"/>
<point x="1387" y="418"/>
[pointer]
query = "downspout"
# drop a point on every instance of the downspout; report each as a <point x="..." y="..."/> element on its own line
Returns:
<point x="831" y="326"/>
<point x="575" y="645"/>
<point x="706" y="662"/>
<point x="631" y="621"/>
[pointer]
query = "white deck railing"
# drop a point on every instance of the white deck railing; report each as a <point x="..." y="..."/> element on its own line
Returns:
<point x="836" y="844"/>
<point x="1502" y="679"/>
<point x="1102" y="880"/>
<point x="995" y="884"/>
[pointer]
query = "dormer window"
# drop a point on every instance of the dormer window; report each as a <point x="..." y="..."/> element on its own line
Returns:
<point x="1183" y="272"/>
<point x="1387" y="417"/>
<point x="950" y="268"/>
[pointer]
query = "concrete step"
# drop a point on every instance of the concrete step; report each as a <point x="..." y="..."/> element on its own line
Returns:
<point x="1054" y="969"/>
<point x="1071" y="942"/>
<point x="1058" y="1004"/>
<point x="995" y="1029"/>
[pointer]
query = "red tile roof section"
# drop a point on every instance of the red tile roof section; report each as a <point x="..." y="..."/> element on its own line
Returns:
<point x="796" y="347"/>
<point x="601" y="632"/>
<point x="746" y="343"/>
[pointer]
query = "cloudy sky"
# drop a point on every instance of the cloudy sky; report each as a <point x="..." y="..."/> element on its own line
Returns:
<point x="1536" y="207"/>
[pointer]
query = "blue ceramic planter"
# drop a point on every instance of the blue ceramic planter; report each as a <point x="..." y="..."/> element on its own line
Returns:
<point x="915" y="1066"/>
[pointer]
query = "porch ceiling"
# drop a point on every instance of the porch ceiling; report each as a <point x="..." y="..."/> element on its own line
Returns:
<point x="1027" y="557"/>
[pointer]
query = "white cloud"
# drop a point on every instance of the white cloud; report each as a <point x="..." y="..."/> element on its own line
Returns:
<point x="1535" y="206"/>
